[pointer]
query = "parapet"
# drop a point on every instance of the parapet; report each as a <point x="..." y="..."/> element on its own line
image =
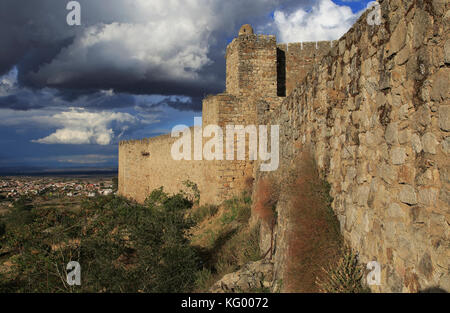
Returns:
<point x="257" y="41"/>
<point x="307" y="49"/>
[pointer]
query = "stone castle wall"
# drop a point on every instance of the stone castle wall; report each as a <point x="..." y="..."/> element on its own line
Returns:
<point x="376" y="114"/>
<point x="145" y="165"/>
<point x="252" y="83"/>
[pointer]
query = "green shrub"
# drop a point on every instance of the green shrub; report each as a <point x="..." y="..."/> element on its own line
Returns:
<point x="192" y="193"/>
<point x="23" y="204"/>
<point x="237" y="209"/>
<point x="231" y="249"/>
<point x="121" y="246"/>
<point x="115" y="183"/>
<point x="240" y="249"/>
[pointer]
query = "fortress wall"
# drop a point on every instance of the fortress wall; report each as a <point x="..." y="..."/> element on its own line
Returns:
<point x="212" y="107"/>
<point x="299" y="59"/>
<point x="222" y="110"/>
<point x="140" y="174"/>
<point x="376" y="114"/>
<point x="235" y="174"/>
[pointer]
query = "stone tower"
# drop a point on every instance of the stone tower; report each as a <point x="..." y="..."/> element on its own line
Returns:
<point x="252" y="65"/>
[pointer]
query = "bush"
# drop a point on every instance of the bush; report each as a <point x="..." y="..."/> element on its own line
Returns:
<point x="121" y="246"/>
<point x="192" y="193"/>
<point x="2" y="228"/>
<point x="232" y="243"/>
<point x="231" y="249"/>
<point x="22" y="213"/>
<point x="241" y="248"/>
<point x="115" y="183"/>
<point x="204" y="279"/>
<point x="237" y="209"/>
<point x="347" y="276"/>
<point x="23" y="204"/>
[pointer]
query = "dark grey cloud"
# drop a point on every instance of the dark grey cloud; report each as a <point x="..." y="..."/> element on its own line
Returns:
<point x="17" y="102"/>
<point x="30" y="27"/>
<point x="179" y="103"/>
<point x="130" y="46"/>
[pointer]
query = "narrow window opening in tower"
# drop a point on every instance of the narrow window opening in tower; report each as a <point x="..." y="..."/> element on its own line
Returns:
<point x="281" y="73"/>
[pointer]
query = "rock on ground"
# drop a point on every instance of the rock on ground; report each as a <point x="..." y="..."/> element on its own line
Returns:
<point x="251" y="276"/>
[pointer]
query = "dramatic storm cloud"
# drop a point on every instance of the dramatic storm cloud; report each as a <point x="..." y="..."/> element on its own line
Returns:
<point x="133" y="69"/>
<point x="138" y="46"/>
<point x="145" y="47"/>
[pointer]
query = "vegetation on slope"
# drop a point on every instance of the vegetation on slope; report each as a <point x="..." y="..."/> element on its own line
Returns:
<point x="315" y="241"/>
<point x="167" y="244"/>
<point x="225" y="240"/>
<point x="171" y="244"/>
<point x="121" y="246"/>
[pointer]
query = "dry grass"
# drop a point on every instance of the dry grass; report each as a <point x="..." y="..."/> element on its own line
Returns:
<point x="266" y="198"/>
<point x="226" y="253"/>
<point x="199" y="214"/>
<point x="315" y="240"/>
<point x="225" y="241"/>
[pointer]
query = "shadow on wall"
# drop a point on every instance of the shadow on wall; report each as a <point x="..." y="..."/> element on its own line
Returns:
<point x="433" y="290"/>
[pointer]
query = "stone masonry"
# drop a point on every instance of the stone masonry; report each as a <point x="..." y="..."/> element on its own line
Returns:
<point x="373" y="107"/>
<point x="375" y="112"/>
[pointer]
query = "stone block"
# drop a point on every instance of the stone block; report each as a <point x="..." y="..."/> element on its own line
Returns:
<point x="429" y="143"/>
<point x="444" y="117"/>
<point x="408" y="195"/>
<point x="398" y="155"/>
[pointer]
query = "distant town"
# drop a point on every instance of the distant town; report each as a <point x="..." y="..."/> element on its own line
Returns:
<point x="12" y="188"/>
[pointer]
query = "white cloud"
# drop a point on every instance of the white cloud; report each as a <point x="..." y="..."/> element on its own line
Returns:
<point x="79" y="126"/>
<point x="325" y="21"/>
<point x="142" y="49"/>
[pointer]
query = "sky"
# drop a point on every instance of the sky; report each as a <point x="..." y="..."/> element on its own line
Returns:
<point x="132" y="69"/>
